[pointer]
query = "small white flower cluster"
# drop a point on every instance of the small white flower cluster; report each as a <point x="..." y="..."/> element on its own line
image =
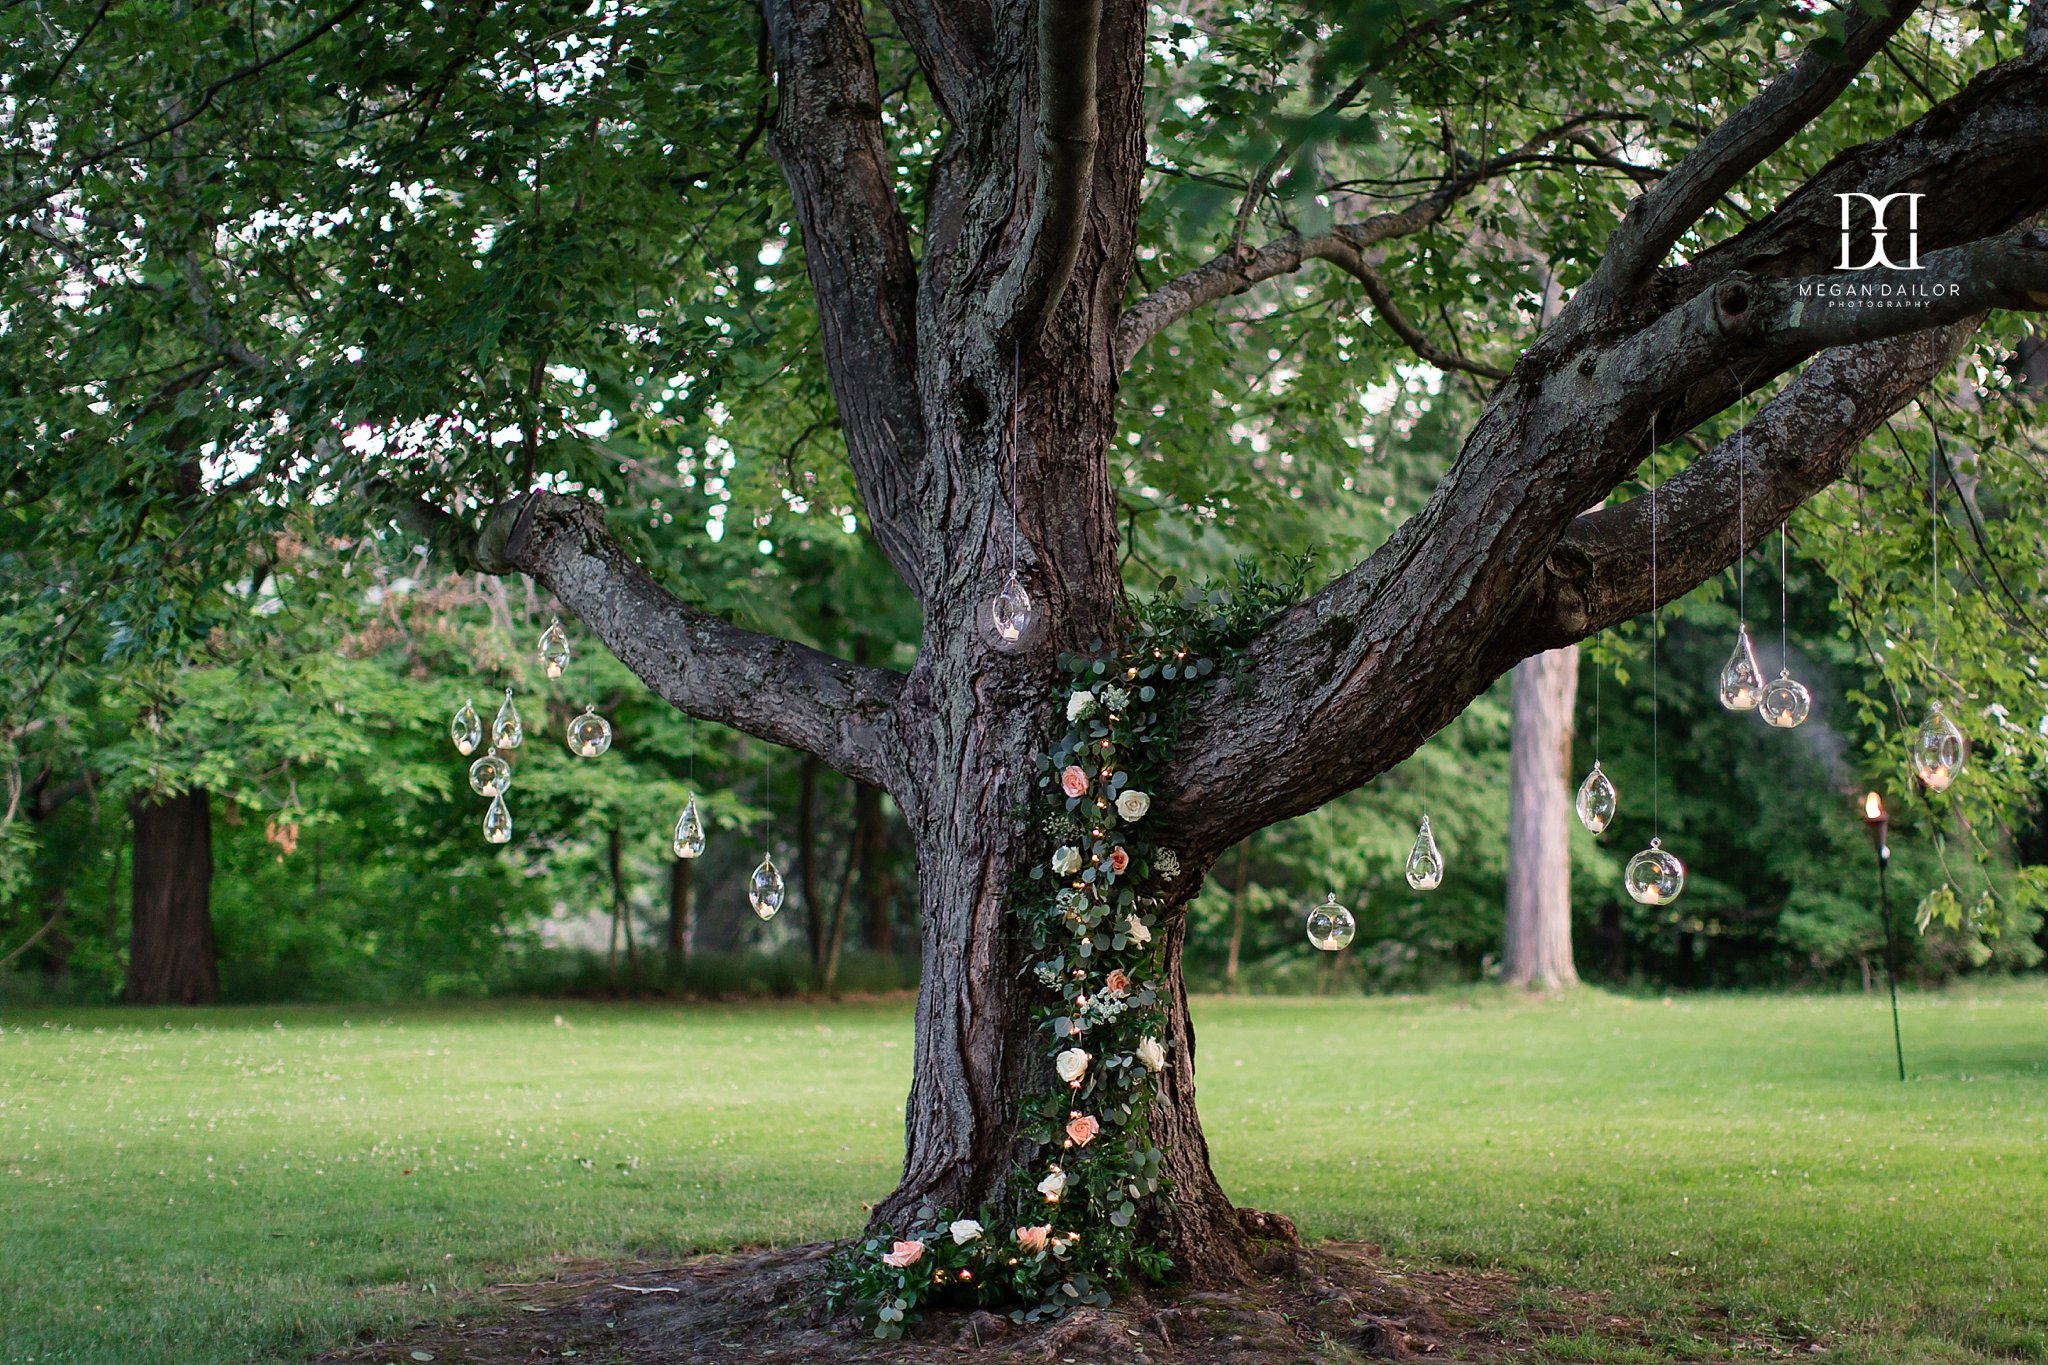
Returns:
<point x="1115" y="698"/>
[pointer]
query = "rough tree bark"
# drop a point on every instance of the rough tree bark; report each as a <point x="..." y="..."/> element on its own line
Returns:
<point x="1536" y="947"/>
<point x="1017" y="303"/>
<point x="171" y="959"/>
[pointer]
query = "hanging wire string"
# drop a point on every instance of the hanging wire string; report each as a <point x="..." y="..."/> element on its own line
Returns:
<point x="1656" y="621"/>
<point x="1741" y="509"/>
<point x="1596" y="713"/>
<point x="1934" y="554"/>
<point x="1016" y="402"/>
<point x="1784" y="638"/>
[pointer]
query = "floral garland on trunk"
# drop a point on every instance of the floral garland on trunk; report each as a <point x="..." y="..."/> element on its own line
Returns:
<point x="1090" y="913"/>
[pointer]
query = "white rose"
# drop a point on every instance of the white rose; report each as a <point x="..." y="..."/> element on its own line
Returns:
<point x="1137" y="932"/>
<point x="1054" y="1185"/>
<point x="1071" y="1064"/>
<point x="1132" y="805"/>
<point x="1066" y="860"/>
<point x="964" y="1231"/>
<point x="1152" y="1054"/>
<point x="1079" y="705"/>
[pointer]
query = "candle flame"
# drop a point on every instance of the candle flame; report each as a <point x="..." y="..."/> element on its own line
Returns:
<point x="1873" y="809"/>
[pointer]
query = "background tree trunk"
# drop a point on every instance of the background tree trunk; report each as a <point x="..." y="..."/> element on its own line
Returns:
<point x="807" y="863"/>
<point x="877" y="881"/>
<point x="682" y="912"/>
<point x="171" y="957"/>
<point x="1537" y="947"/>
<point x="1230" y="962"/>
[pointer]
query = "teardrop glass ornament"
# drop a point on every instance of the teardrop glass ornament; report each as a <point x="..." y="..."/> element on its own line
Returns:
<point x="554" y="648"/>
<point x="1330" y="926"/>
<point x="1939" y="750"/>
<point x="764" y="890"/>
<point x="506" y="731"/>
<point x="1425" y="864"/>
<point x="467" y="729"/>
<point x="1742" y="679"/>
<point x="1654" y="876"/>
<point x="689" y="839"/>
<point x="498" y="821"/>
<point x="589" y="734"/>
<point x="1597" y="800"/>
<point x="490" y="775"/>
<point x="1011" y="611"/>
<point x="1786" y="702"/>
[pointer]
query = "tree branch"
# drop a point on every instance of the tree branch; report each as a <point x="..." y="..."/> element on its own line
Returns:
<point x="1383" y="303"/>
<point x="1659" y="217"/>
<point x="828" y="140"/>
<point x="776" y="689"/>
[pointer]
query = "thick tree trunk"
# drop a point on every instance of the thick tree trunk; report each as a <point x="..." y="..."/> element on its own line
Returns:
<point x="171" y="956"/>
<point x="682" y="912"/>
<point x="1537" y="947"/>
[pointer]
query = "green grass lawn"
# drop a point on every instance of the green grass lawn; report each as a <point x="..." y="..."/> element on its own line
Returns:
<point x="227" y="1185"/>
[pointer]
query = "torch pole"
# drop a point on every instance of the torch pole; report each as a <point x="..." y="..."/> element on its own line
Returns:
<point x="1891" y="956"/>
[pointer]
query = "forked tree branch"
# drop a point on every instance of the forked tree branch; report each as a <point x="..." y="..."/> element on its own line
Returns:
<point x="776" y="689"/>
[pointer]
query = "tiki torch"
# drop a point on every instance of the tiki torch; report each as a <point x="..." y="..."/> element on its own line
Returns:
<point x="1876" y="821"/>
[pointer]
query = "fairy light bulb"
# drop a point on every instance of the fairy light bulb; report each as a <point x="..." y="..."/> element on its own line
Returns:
<point x="1939" y="750"/>
<point x="1654" y="876"/>
<point x="506" y="731"/>
<point x="1425" y="868"/>
<point x="689" y="836"/>
<point x="1786" y="702"/>
<point x="466" y="729"/>
<point x="498" y="821"/>
<point x="1597" y="800"/>
<point x="490" y="775"/>
<point x="554" y="648"/>
<point x="1742" y="679"/>
<point x="764" y="888"/>
<point x="589" y="734"/>
<point x="1330" y="926"/>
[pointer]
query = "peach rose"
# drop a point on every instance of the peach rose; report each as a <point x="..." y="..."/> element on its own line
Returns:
<point x="903" y="1254"/>
<point x="1073" y="781"/>
<point x="1118" y="981"/>
<point x="1033" y="1239"/>
<point x="1082" y="1128"/>
<point x="1119" y="859"/>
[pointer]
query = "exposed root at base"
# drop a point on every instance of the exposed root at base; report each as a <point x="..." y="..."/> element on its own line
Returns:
<point x="1335" y="1302"/>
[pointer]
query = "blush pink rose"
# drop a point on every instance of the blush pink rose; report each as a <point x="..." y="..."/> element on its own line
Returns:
<point x="903" y="1254"/>
<point x="1033" y="1239"/>
<point x="1073" y="781"/>
<point x="1082" y="1128"/>
<point x="1119" y="859"/>
<point x="1118" y="981"/>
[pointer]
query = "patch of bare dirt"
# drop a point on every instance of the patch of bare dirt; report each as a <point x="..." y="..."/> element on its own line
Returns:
<point x="1340" y="1301"/>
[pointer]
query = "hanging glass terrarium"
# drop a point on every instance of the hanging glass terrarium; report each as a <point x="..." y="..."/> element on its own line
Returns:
<point x="1742" y="678"/>
<point x="554" y="648"/>
<point x="466" y="729"/>
<point x="1330" y="926"/>
<point x="589" y="734"/>
<point x="1939" y="750"/>
<point x="1425" y="869"/>
<point x="1597" y="800"/>
<point x="490" y="775"/>
<point x="764" y="888"/>
<point x="1654" y="876"/>
<point x="1786" y="702"/>
<point x="689" y="836"/>
<point x="506" y="731"/>
<point x="498" y="821"/>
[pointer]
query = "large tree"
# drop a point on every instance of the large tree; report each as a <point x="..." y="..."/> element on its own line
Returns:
<point x="482" y="269"/>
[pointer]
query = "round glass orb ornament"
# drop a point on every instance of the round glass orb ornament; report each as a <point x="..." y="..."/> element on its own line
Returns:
<point x="490" y="775"/>
<point x="1597" y="800"/>
<point x="554" y="648"/>
<point x="1330" y="926"/>
<point x="467" y="729"/>
<point x="1939" y="750"/>
<point x="1654" y="876"/>
<point x="1786" y="702"/>
<point x="764" y="889"/>
<point x="1742" y="679"/>
<point x="506" y="731"/>
<point x="589" y="734"/>
<point x="689" y="840"/>
<point x="1425" y="869"/>
<point x="1011" y="613"/>
<point x="498" y="821"/>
